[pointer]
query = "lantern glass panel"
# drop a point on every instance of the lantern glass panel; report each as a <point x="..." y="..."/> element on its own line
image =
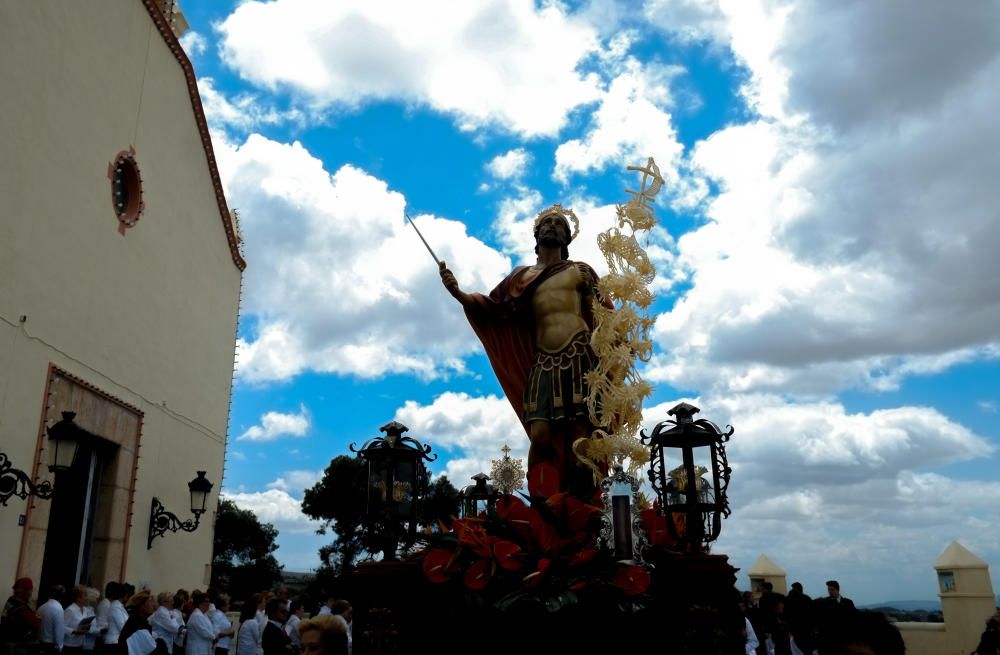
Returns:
<point x="674" y="495"/>
<point x="702" y="456"/>
<point x="378" y="483"/>
<point x="198" y="499"/>
<point x="403" y="487"/>
<point x="63" y="453"/>
<point x="706" y="496"/>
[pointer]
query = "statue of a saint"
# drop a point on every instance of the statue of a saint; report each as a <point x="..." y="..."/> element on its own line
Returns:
<point x="535" y="327"/>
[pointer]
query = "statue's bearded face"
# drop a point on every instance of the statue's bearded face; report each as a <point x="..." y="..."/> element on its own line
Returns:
<point x="552" y="230"/>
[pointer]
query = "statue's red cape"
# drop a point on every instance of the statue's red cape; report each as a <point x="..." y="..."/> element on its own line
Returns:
<point x="504" y="322"/>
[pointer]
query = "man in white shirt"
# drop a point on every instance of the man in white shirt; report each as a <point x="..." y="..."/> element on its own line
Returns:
<point x="343" y="613"/>
<point x="752" y="642"/>
<point x="221" y="624"/>
<point x="53" y="618"/>
<point x="295" y="614"/>
<point x="162" y="622"/>
<point x="201" y="635"/>
<point x="327" y="607"/>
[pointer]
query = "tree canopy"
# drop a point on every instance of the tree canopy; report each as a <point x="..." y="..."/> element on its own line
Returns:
<point x="243" y="559"/>
<point x="339" y="500"/>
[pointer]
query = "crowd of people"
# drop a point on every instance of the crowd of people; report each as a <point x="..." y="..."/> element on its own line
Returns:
<point x="795" y="624"/>
<point x="127" y="621"/>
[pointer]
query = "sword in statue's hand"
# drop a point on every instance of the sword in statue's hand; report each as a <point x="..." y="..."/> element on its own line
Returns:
<point x="446" y="276"/>
<point x="426" y="245"/>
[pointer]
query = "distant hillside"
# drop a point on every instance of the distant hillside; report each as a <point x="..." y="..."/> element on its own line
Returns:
<point x="907" y="605"/>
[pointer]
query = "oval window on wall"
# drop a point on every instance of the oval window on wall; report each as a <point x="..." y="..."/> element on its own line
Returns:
<point x="126" y="189"/>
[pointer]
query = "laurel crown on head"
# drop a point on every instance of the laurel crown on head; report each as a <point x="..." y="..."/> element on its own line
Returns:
<point x="567" y="215"/>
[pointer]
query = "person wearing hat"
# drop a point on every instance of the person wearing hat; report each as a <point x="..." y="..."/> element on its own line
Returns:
<point x="19" y="622"/>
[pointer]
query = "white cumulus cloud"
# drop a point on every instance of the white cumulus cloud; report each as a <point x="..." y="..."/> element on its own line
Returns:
<point x="339" y="282"/>
<point x="296" y="481"/>
<point x="275" y="425"/>
<point x="512" y="64"/>
<point x="193" y="43"/>
<point x="631" y="124"/>
<point x="827" y="259"/>
<point x="471" y="429"/>
<point x="510" y="165"/>
<point x="277" y="507"/>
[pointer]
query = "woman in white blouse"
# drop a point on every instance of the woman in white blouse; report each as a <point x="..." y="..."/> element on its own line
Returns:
<point x="96" y="628"/>
<point x="248" y="637"/>
<point x="180" y="598"/>
<point x="74" y="613"/>
<point x="117" y="616"/>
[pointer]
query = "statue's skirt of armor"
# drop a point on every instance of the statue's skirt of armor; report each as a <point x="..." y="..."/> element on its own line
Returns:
<point x="557" y="390"/>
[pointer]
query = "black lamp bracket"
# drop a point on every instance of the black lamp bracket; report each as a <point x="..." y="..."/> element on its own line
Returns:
<point x="161" y="522"/>
<point x="15" y="482"/>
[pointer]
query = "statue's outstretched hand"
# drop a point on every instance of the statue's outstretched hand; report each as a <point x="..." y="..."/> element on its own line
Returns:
<point x="451" y="284"/>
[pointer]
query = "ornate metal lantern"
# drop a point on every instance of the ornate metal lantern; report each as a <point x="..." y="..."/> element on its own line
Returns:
<point x="199" y="489"/>
<point x="397" y="481"/>
<point x="64" y="441"/>
<point x="696" y="488"/>
<point x="479" y="497"/>
<point x="161" y="521"/>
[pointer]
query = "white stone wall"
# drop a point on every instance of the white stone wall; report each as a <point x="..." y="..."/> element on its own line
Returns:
<point x="148" y="316"/>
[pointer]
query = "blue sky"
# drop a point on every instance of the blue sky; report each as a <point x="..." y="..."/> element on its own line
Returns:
<point x="826" y="272"/>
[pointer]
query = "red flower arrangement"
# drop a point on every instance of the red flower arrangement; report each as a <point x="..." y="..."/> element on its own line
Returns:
<point x="657" y="529"/>
<point x="546" y="551"/>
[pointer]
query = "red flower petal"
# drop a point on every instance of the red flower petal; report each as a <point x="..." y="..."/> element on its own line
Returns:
<point x="508" y="555"/>
<point x="479" y="574"/>
<point x="436" y="565"/>
<point x="523" y="518"/>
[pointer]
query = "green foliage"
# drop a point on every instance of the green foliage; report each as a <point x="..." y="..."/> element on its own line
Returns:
<point x="242" y="560"/>
<point x="441" y="503"/>
<point x="340" y="499"/>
